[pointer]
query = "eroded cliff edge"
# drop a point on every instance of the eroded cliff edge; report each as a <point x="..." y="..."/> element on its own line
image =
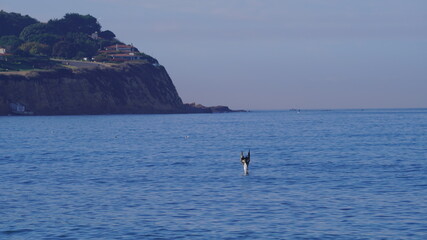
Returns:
<point x="128" y="88"/>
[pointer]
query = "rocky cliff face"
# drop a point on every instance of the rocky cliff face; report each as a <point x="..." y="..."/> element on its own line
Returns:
<point x="125" y="88"/>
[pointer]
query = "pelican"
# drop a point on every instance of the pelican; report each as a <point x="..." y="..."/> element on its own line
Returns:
<point x="245" y="161"/>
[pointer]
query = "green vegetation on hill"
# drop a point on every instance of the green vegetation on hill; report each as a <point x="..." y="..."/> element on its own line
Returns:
<point x="74" y="36"/>
<point x="13" y="23"/>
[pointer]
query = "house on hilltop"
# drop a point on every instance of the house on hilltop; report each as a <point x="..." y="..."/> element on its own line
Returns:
<point x="121" y="52"/>
<point x="125" y="57"/>
<point x="3" y="53"/>
<point x="121" y="48"/>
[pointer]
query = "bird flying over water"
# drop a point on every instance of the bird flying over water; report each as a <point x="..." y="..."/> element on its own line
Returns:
<point x="245" y="162"/>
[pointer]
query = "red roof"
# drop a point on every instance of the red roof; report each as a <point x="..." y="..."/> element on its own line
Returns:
<point x="120" y="46"/>
<point x="121" y="55"/>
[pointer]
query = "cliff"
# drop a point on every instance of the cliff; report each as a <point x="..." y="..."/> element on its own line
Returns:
<point x="128" y="88"/>
<point x="122" y="88"/>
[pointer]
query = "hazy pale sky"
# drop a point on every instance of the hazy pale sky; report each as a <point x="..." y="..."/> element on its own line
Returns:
<point x="272" y="54"/>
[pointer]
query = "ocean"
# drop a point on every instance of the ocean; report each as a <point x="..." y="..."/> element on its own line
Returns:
<point x="340" y="174"/>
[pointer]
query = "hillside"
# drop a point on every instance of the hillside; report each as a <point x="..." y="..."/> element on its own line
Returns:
<point x="115" y="78"/>
<point x="74" y="36"/>
<point x="127" y="88"/>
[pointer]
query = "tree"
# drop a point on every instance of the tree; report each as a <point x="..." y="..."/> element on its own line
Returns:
<point x="73" y="22"/>
<point x="86" y="46"/>
<point x="34" y="48"/>
<point x="109" y="35"/>
<point x="46" y="38"/>
<point x="41" y="33"/>
<point x="10" y="42"/>
<point x="13" y="23"/>
<point x="35" y="29"/>
<point x="64" y="49"/>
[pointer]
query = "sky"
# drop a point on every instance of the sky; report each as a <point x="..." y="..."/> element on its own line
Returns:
<point x="272" y="54"/>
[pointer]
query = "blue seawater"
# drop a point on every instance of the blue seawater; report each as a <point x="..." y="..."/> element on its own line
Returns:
<point x="342" y="174"/>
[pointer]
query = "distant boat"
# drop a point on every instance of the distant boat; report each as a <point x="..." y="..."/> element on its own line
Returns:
<point x="19" y="109"/>
<point x="295" y="110"/>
